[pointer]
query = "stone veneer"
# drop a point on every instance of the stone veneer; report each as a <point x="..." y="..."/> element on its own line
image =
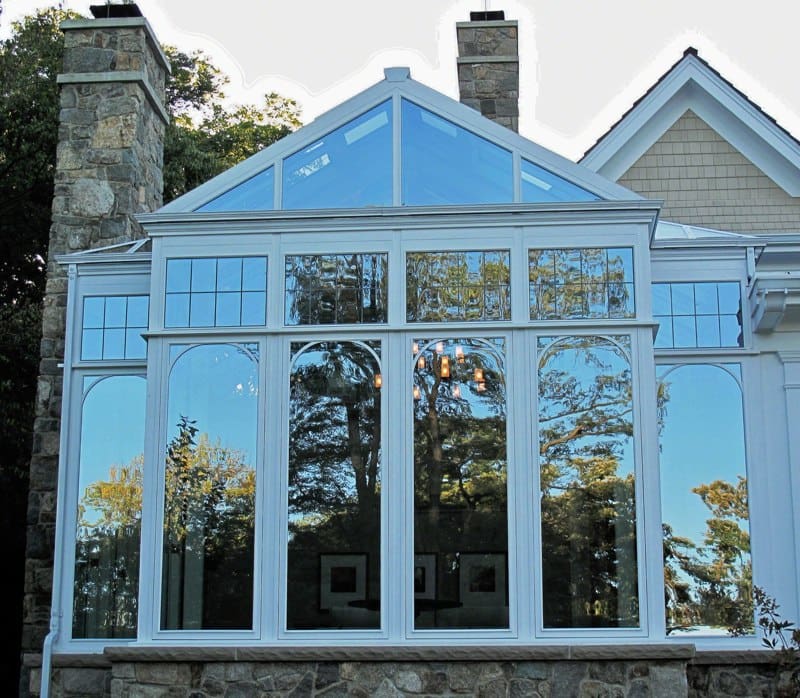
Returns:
<point x="488" y="69"/>
<point x="109" y="167"/>
<point x="660" y="671"/>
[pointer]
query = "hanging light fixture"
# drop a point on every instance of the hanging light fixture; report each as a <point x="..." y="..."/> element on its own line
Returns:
<point x="415" y="392"/>
<point x="460" y="354"/>
<point x="444" y="367"/>
<point x="440" y="347"/>
<point x="421" y="362"/>
<point x="378" y="381"/>
<point x="478" y="375"/>
<point x="415" y="348"/>
<point x="457" y="391"/>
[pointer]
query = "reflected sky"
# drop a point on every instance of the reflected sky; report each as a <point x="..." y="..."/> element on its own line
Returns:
<point x="112" y="427"/>
<point x="702" y="440"/>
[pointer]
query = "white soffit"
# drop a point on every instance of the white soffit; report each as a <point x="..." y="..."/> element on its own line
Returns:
<point x="692" y="84"/>
<point x="398" y="82"/>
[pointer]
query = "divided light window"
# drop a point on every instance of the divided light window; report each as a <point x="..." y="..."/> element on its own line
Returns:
<point x="581" y="283"/>
<point x="113" y="327"/>
<point x="216" y="292"/>
<point x="451" y="286"/>
<point x="704" y="314"/>
<point x="326" y="289"/>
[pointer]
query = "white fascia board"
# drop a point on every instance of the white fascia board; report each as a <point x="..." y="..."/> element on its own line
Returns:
<point x="691" y="85"/>
<point x="288" y="145"/>
<point x="404" y="87"/>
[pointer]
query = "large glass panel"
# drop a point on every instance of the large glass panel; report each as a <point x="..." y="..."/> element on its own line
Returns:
<point x="216" y="292"/>
<point x="581" y="283"/>
<point x="109" y="507"/>
<point x="707" y="566"/>
<point x="112" y="327"/>
<point x="460" y="484"/>
<point x="325" y="289"/>
<point x="254" y="194"/>
<point x="586" y="479"/>
<point x="210" y="483"/>
<point x="446" y="164"/>
<point x="350" y="167"/>
<point x="702" y="314"/>
<point x="442" y="286"/>
<point x="540" y="186"/>
<point x="334" y="486"/>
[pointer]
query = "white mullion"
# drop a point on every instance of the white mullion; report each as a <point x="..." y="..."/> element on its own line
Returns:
<point x="275" y="282"/>
<point x="535" y="569"/>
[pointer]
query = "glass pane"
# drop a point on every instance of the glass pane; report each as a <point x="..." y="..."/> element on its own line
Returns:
<point x="93" y="311"/>
<point x="229" y="274"/>
<point x="729" y="298"/>
<point x="176" y="311"/>
<point x="664" y="337"/>
<point x="179" y="272"/>
<point x="116" y="310"/>
<point x="443" y="286"/>
<point x="446" y="164"/>
<point x="683" y="299"/>
<point x="334" y="487"/>
<point x="229" y="309"/>
<point x="460" y="485"/>
<point x="662" y="304"/>
<point x="109" y="509"/>
<point x="705" y="299"/>
<point x="209" y="518"/>
<point x="254" y="274"/>
<point x="707" y="564"/>
<point x="202" y="310"/>
<point x="730" y="331"/>
<point x="254" y="308"/>
<point x="350" y="167"/>
<point x="204" y="275"/>
<point x="135" y="346"/>
<point x="707" y="330"/>
<point x="586" y="478"/>
<point x="137" y="311"/>
<point x="254" y="194"/>
<point x="683" y="329"/>
<point x="114" y="344"/>
<point x="540" y="185"/>
<point x="91" y="345"/>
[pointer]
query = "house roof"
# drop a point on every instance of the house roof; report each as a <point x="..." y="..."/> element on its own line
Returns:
<point x="693" y="84"/>
<point x="397" y="85"/>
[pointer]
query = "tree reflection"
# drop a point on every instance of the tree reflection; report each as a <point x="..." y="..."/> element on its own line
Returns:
<point x="334" y="478"/>
<point x="587" y="483"/>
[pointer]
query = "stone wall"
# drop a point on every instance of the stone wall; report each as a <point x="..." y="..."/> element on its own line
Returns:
<point x="705" y="181"/>
<point x="599" y="674"/>
<point x="488" y="69"/>
<point x="109" y="167"/>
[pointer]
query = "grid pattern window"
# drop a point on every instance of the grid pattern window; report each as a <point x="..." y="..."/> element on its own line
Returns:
<point x="113" y="326"/>
<point x="581" y="283"/>
<point x="327" y="289"/>
<point x="698" y="315"/>
<point x="451" y="286"/>
<point x="216" y="292"/>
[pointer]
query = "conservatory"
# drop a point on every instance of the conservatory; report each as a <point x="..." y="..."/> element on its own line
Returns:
<point x="405" y="377"/>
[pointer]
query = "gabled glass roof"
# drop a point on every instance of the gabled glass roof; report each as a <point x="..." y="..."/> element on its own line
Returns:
<point x="398" y="143"/>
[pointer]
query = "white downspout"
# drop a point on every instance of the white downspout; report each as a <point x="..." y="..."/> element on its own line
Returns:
<point x="47" y="653"/>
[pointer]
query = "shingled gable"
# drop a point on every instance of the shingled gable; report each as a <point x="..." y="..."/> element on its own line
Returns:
<point x="396" y="84"/>
<point x="694" y="85"/>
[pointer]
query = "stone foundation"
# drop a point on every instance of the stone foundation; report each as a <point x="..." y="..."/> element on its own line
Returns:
<point x="557" y="672"/>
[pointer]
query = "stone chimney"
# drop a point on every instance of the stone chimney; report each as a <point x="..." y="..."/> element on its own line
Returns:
<point x="109" y="167"/>
<point x="488" y="66"/>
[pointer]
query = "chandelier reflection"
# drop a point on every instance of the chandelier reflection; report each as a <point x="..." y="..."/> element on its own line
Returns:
<point x="447" y="366"/>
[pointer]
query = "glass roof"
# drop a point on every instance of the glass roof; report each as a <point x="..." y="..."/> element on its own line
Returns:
<point x="419" y="158"/>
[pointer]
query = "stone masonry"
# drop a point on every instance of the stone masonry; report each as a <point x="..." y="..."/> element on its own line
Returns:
<point x="109" y="167"/>
<point x="488" y="69"/>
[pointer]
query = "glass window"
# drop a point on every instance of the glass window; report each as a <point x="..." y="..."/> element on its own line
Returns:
<point x="540" y="186"/>
<point x="210" y="485"/>
<point x="350" y="167"/>
<point x="216" y="292"/>
<point x="106" y="588"/>
<point x="336" y="288"/>
<point x="707" y="565"/>
<point x="443" y="286"/>
<point x="113" y="327"/>
<point x="581" y="283"/>
<point x="702" y="314"/>
<point x="460" y="484"/>
<point x="446" y="164"/>
<point x="254" y="194"/>
<point x="587" y="483"/>
<point x="334" y="486"/>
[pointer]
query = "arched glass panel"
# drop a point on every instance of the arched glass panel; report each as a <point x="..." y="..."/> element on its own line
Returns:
<point x="586" y="480"/>
<point x="109" y="508"/>
<point x="254" y="194"/>
<point x="445" y="164"/>
<point x="209" y="504"/>
<point x="707" y="564"/>
<point x="334" y="486"/>
<point x="540" y="186"/>
<point x="460" y="484"/>
<point x="350" y="167"/>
